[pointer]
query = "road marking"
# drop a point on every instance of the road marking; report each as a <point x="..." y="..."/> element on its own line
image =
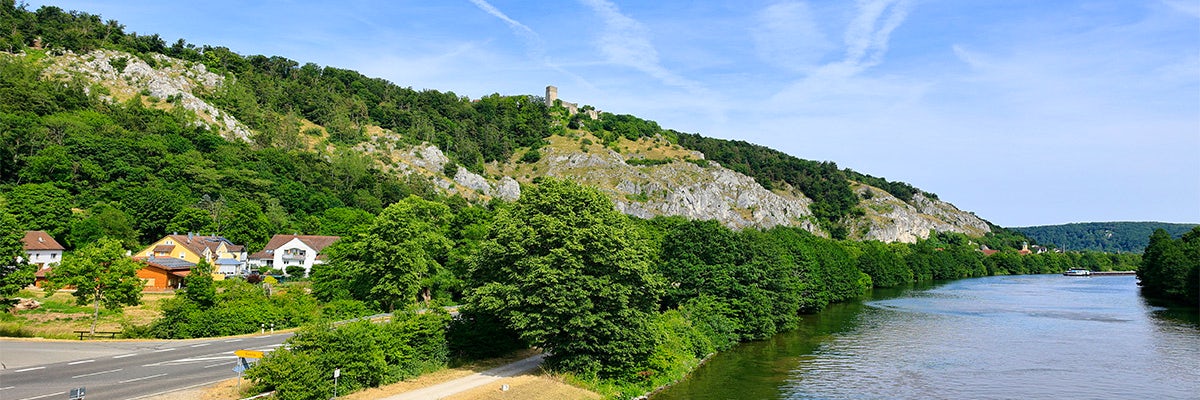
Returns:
<point x="45" y="396"/>
<point x="207" y="367"/>
<point x="125" y="355"/>
<point x="178" y="389"/>
<point x="201" y="345"/>
<point x="7" y="387"/>
<point x="234" y="340"/>
<point x="162" y="350"/>
<point x="95" y="373"/>
<point x="142" y="378"/>
<point x="190" y="360"/>
<point x="29" y="369"/>
<point x="81" y="362"/>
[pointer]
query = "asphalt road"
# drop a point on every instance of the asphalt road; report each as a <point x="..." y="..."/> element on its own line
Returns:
<point x="120" y="370"/>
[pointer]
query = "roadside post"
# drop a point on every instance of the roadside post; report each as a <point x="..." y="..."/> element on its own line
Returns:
<point x="336" y="373"/>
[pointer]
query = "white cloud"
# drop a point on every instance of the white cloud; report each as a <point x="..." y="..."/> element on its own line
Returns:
<point x="532" y="41"/>
<point x="625" y="41"/>
<point x="787" y="35"/>
<point x="1189" y="7"/>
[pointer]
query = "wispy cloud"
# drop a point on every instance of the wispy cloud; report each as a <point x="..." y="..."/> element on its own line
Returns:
<point x="625" y="42"/>
<point x="533" y="42"/>
<point x="868" y="35"/>
<point x="788" y="36"/>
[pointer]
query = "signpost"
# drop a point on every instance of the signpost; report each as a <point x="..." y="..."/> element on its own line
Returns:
<point x="243" y="364"/>
<point x="77" y="393"/>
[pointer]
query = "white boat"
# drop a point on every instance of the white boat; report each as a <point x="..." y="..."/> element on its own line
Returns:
<point x="1077" y="272"/>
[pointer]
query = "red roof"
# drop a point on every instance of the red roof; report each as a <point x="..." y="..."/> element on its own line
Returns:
<point x="316" y="242"/>
<point x="40" y="240"/>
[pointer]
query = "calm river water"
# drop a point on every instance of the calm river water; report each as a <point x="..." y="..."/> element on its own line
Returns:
<point x="1007" y="337"/>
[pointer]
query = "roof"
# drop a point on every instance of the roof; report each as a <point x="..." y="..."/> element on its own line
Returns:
<point x="166" y="248"/>
<point x="168" y="263"/>
<point x="227" y="261"/>
<point x="317" y="243"/>
<point x="198" y="243"/>
<point x="40" y="240"/>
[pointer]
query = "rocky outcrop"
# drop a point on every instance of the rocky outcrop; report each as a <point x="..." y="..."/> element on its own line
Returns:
<point x="170" y="81"/>
<point x="888" y="219"/>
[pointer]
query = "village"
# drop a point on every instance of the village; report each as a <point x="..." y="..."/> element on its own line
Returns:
<point x="168" y="260"/>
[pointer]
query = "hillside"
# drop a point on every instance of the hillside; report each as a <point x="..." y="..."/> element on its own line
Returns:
<point x="303" y="139"/>
<point x="1126" y="237"/>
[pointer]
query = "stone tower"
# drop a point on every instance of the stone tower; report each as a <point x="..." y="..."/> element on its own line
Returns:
<point x="551" y="95"/>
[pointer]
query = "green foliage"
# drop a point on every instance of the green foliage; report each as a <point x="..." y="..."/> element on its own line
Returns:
<point x="647" y="161"/>
<point x="14" y="276"/>
<point x="571" y="274"/>
<point x="199" y="287"/>
<point x="479" y="335"/>
<point x="41" y="207"/>
<point x="103" y="220"/>
<point x="1113" y="237"/>
<point x="368" y="355"/>
<point x="239" y="308"/>
<point x="1171" y="268"/>
<point x="531" y="156"/>
<point x="398" y="258"/>
<point x="101" y="274"/>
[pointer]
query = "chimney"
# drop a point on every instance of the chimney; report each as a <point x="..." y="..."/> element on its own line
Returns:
<point x="189" y="237"/>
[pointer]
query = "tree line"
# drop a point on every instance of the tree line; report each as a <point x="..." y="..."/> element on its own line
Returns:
<point x="1171" y="267"/>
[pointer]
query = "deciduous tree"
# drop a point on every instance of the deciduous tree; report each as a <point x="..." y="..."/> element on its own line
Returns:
<point x="101" y="274"/>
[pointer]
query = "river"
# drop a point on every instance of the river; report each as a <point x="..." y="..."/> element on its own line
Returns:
<point x="1004" y="337"/>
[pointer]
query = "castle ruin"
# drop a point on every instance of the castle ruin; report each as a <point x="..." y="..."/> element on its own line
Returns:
<point x="572" y="108"/>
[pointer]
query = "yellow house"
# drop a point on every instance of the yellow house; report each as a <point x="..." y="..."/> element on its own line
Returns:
<point x="192" y="248"/>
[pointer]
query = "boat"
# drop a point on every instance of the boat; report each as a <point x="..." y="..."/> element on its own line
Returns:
<point x="1077" y="272"/>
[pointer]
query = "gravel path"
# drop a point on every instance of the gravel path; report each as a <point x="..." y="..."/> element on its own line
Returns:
<point x="471" y="381"/>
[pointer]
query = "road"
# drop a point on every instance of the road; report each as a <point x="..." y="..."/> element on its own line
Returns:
<point x="120" y="370"/>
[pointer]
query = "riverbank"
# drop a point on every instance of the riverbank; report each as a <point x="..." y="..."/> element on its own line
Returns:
<point x="522" y="382"/>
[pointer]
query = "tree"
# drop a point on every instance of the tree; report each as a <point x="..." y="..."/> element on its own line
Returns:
<point x="198" y="285"/>
<point x="100" y="273"/>
<point x="14" y="275"/>
<point x="41" y="206"/>
<point x="396" y="259"/>
<point x="572" y="275"/>
<point x="103" y="220"/>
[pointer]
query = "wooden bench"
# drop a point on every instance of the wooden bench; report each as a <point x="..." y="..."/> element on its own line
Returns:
<point x="111" y="335"/>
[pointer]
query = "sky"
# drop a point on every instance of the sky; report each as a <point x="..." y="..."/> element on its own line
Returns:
<point x="1025" y="112"/>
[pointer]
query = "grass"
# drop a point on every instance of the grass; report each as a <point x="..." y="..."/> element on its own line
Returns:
<point x="59" y="316"/>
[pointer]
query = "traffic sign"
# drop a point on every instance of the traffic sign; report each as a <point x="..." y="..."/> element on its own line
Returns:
<point x="248" y="353"/>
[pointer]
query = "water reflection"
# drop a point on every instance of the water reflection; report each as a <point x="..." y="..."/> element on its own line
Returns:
<point x="1000" y="337"/>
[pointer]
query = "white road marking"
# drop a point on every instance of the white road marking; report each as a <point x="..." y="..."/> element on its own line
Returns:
<point x="96" y="373"/>
<point x="201" y="345"/>
<point x="29" y="369"/>
<point x="234" y="340"/>
<point x="142" y="378"/>
<point x="162" y="350"/>
<point x="81" y="362"/>
<point x="45" y="396"/>
<point x="7" y="387"/>
<point x="210" y="366"/>
<point x="125" y="355"/>
<point x="188" y="360"/>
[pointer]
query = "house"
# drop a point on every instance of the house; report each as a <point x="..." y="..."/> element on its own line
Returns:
<point x="287" y="250"/>
<point x="163" y="273"/>
<point x="226" y="258"/>
<point x="41" y="250"/>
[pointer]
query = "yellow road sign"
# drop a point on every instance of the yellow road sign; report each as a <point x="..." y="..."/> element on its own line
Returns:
<point x="248" y="353"/>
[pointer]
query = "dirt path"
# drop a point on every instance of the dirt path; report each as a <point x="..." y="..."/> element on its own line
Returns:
<point x="471" y="381"/>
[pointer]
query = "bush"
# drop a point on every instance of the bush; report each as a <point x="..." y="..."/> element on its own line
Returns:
<point x="295" y="271"/>
<point x="531" y="156"/>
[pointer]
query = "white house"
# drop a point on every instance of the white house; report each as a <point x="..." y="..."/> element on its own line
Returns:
<point x="41" y="249"/>
<point x="287" y="250"/>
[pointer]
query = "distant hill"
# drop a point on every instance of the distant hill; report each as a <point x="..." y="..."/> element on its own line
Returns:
<point x="1102" y="236"/>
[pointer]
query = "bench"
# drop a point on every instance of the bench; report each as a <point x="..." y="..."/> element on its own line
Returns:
<point x="111" y="335"/>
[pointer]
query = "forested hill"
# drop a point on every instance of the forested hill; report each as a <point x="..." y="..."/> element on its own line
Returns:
<point x="108" y="119"/>
<point x="1102" y="236"/>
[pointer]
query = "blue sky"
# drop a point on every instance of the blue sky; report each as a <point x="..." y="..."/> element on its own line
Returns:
<point x="1024" y="112"/>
